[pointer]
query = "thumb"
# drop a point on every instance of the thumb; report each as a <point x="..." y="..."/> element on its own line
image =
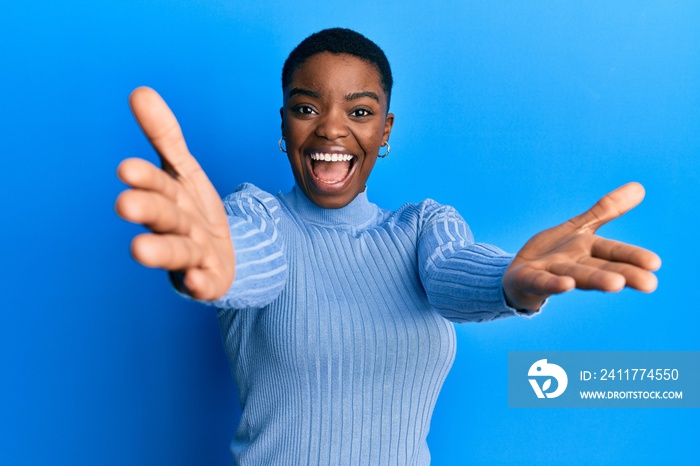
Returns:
<point x="609" y="207"/>
<point x="163" y="131"/>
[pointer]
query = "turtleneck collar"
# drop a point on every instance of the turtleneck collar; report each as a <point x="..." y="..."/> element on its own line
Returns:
<point x="359" y="214"/>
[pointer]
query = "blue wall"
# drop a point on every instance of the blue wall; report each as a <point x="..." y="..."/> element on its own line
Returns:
<point x="519" y="115"/>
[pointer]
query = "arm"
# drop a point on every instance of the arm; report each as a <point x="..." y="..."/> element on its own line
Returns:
<point x="462" y="279"/>
<point x="261" y="266"/>
<point x="192" y="235"/>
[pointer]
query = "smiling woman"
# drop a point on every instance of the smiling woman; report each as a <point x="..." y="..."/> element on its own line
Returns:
<point x="336" y="314"/>
<point x="335" y="118"/>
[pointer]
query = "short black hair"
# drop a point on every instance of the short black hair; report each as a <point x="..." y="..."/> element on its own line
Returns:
<point x="340" y="40"/>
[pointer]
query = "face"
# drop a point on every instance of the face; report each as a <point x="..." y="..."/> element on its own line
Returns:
<point x="334" y="121"/>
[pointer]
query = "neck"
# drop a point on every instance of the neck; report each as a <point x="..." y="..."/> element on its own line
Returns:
<point x="358" y="213"/>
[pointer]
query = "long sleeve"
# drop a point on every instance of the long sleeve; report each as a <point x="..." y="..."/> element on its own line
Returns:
<point x="261" y="267"/>
<point x="463" y="279"/>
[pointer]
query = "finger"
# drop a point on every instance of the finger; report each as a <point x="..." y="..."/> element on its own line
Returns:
<point x="609" y="207"/>
<point x="152" y="210"/>
<point x="202" y="284"/>
<point x="169" y="252"/>
<point x="626" y="253"/>
<point x="635" y="277"/>
<point x="589" y="277"/>
<point x="142" y="174"/>
<point x="161" y="128"/>
<point x="542" y="282"/>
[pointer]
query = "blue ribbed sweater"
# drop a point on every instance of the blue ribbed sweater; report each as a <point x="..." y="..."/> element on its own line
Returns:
<point x="338" y="326"/>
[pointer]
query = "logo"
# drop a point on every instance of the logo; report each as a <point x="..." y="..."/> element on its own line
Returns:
<point x="541" y="369"/>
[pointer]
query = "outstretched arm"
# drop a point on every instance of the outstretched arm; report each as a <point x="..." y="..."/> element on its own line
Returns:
<point x="189" y="229"/>
<point x="571" y="256"/>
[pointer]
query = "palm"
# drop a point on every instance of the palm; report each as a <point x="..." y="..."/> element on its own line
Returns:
<point x="570" y="256"/>
<point x="178" y="203"/>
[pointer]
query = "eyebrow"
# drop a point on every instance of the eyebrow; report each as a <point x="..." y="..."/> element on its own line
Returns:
<point x="318" y="95"/>
<point x="359" y="95"/>
<point x="302" y="91"/>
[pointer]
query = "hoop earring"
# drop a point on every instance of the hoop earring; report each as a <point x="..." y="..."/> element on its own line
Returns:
<point x="388" y="149"/>
<point x="279" y="144"/>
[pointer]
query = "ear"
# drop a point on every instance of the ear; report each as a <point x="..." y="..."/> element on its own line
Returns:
<point x="282" y="118"/>
<point x="388" y="125"/>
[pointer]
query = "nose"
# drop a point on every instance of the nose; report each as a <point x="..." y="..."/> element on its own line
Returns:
<point x="332" y="125"/>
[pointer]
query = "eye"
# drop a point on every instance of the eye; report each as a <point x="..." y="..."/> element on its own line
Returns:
<point x="304" y="110"/>
<point x="361" y="113"/>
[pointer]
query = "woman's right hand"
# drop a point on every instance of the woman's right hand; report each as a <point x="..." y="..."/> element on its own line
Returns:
<point x="178" y="203"/>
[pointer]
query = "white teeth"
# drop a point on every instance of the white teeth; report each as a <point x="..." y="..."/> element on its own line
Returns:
<point x="331" y="157"/>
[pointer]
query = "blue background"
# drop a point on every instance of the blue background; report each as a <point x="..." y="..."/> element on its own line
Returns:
<point x="520" y="114"/>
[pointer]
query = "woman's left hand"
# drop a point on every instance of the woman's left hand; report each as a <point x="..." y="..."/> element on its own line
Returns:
<point x="571" y="256"/>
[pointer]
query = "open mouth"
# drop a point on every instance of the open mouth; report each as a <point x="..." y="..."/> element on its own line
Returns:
<point x="331" y="168"/>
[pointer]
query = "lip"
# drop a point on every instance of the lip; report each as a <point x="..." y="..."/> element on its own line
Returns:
<point x="323" y="187"/>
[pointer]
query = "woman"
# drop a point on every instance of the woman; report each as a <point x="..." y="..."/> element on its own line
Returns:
<point x="336" y="313"/>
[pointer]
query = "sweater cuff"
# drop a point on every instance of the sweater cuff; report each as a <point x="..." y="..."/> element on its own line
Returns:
<point x="522" y="312"/>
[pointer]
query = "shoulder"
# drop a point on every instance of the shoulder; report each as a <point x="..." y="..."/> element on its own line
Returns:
<point x="248" y="199"/>
<point x="431" y="219"/>
<point x="427" y="211"/>
<point x="249" y="190"/>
